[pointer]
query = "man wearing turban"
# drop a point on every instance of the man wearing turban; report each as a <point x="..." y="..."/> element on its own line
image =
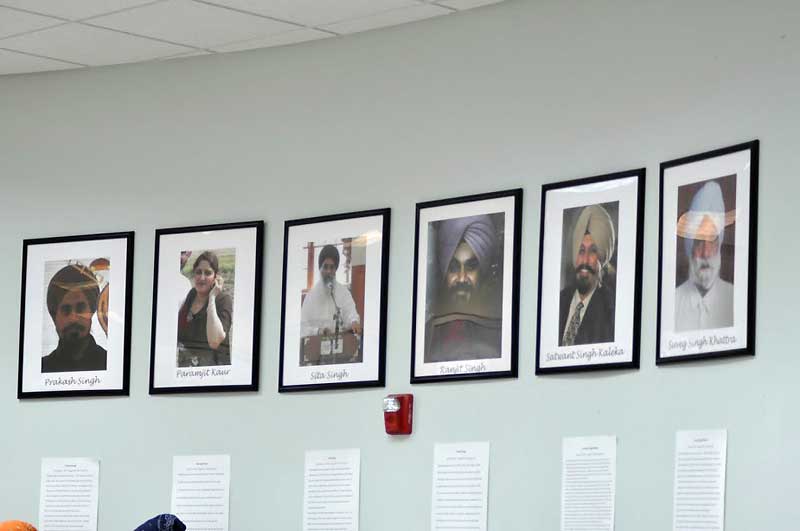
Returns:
<point x="328" y="307"/>
<point x="704" y="300"/>
<point x="464" y="324"/>
<point x="16" y="525"/>
<point x="586" y="306"/>
<point x="72" y="301"/>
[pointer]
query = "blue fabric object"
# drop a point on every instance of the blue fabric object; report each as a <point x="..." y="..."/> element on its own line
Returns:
<point x="707" y="202"/>
<point x="162" y="522"/>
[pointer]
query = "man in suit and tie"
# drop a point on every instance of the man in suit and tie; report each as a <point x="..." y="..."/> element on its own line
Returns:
<point x="586" y="307"/>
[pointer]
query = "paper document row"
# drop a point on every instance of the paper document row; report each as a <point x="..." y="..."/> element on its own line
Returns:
<point x="459" y="497"/>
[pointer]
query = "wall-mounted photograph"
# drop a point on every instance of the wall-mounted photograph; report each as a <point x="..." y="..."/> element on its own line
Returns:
<point x="75" y="316"/>
<point x="333" y="317"/>
<point x="206" y="308"/>
<point x="590" y="273"/>
<point x="466" y="287"/>
<point x="707" y="255"/>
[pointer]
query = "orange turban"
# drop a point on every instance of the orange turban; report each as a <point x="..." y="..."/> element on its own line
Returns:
<point x="16" y="525"/>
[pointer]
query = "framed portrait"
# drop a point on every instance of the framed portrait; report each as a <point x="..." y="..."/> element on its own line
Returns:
<point x="333" y="317"/>
<point x="466" y="288"/>
<point x="75" y="316"/>
<point x="206" y="308"/>
<point x="590" y="273"/>
<point x="707" y="255"/>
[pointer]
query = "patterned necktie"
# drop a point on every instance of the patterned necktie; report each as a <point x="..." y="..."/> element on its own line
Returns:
<point x="572" y="328"/>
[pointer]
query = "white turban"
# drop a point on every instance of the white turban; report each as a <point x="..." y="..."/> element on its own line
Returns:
<point x="595" y="221"/>
<point x="477" y="231"/>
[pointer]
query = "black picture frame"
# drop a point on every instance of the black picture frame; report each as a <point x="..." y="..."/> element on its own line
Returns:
<point x="750" y="253"/>
<point x="639" y="175"/>
<point x="514" y="256"/>
<point x="256" y="298"/>
<point x="27" y="245"/>
<point x="379" y="377"/>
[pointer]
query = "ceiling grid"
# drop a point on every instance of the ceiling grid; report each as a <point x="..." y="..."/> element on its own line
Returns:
<point x="43" y="35"/>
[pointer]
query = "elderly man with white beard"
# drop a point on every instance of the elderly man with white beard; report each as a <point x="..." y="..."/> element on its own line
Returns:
<point x="704" y="301"/>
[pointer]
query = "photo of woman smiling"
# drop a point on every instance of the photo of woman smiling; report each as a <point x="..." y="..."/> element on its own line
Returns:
<point x="205" y="317"/>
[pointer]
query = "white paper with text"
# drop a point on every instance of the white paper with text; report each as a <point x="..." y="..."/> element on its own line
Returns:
<point x="699" y="490"/>
<point x="588" y="483"/>
<point x="460" y="487"/>
<point x="201" y="491"/>
<point x="331" y="490"/>
<point x="69" y="494"/>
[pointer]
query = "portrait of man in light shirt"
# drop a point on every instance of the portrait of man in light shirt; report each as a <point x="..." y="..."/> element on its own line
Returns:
<point x="327" y="299"/>
<point x="704" y="300"/>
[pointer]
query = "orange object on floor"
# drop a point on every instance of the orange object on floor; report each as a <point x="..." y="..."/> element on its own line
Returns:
<point x="16" y="525"/>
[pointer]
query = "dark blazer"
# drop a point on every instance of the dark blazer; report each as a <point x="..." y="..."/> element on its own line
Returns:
<point x="597" y="325"/>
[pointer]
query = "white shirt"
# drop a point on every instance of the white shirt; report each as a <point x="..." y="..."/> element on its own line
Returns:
<point x="318" y="309"/>
<point x="694" y="311"/>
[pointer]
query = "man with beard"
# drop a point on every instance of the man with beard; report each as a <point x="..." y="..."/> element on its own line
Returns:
<point x="72" y="301"/>
<point x="326" y="299"/>
<point x="466" y="323"/>
<point x="586" y="306"/>
<point x="704" y="301"/>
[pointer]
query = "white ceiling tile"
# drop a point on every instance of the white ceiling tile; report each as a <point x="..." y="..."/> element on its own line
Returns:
<point x="388" y="18"/>
<point x="184" y="55"/>
<point x="73" y="9"/>
<point x="18" y="63"/>
<point x="89" y="45"/>
<point x="123" y="31"/>
<point x="13" y="22"/>
<point x="192" y="23"/>
<point x="281" y="39"/>
<point x="315" y="12"/>
<point x="466" y="4"/>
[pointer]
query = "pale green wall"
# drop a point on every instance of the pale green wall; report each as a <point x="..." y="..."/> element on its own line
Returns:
<point x="517" y="94"/>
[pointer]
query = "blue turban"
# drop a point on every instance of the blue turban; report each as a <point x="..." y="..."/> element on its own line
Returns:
<point x="162" y="522"/>
<point x="477" y="231"/>
<point x="706" y="218"/>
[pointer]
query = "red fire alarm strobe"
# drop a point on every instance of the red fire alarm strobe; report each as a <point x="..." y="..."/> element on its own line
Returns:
<point x="398" y="412"/>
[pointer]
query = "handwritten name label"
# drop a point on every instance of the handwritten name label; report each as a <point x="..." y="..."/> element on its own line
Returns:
<point x="330" y="375"/>
<point x="585" y="354"/>
<point x="90" y="381"/>
<point x="701" y="343"/>
<point x="205" y="372"/>
<point x="464" y="368"/>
